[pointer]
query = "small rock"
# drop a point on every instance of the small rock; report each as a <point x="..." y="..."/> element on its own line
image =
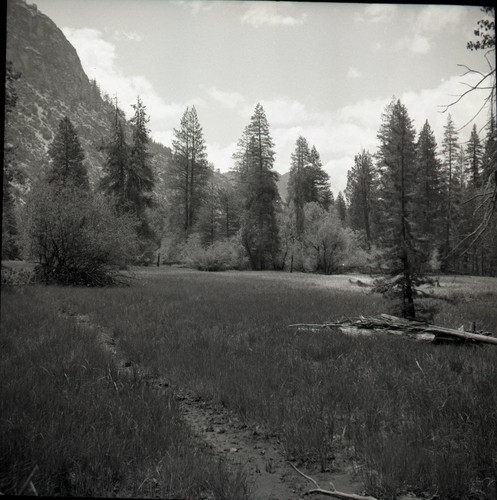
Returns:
<point x="233" y="450"/>
<point x="221" y="431"/>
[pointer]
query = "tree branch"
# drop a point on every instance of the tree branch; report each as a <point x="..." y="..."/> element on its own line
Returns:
<point x="331" y="493"/>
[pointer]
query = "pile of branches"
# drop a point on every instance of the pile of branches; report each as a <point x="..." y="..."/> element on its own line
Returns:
<point x="418" y="330"/>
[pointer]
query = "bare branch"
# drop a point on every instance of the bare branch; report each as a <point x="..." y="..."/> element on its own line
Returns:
<point x="477" y="86"/>
<point x="475" y="235"/>
<point x="470" y="70"/>
<point x="477" y="113"/>
<point x="331" y="493"/>
<point x="478" y="195"/>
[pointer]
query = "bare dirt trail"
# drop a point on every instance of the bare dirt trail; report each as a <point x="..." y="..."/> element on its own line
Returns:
<point x="261" y="456"/>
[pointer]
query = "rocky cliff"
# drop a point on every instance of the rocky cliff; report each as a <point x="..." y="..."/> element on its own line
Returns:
<point x="53" y="85"/>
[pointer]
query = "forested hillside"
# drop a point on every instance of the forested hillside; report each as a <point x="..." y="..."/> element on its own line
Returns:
<point x="51" y="85"/>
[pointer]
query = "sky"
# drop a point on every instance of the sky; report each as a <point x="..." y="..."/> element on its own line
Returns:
<point x="325" y="71"/>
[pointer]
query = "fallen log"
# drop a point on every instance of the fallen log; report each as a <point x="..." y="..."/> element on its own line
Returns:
<point x="394" y="324"/>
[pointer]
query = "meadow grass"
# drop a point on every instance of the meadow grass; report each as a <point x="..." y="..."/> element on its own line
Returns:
<point x="91" y="430"/>
<point x="412" y="416"/>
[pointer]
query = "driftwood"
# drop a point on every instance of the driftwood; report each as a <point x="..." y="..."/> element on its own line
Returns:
<point x="333" y="492"/>
<point x="412" y="328"/>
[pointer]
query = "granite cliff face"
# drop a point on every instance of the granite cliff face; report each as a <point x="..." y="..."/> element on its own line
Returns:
<point x="53" y="85"/>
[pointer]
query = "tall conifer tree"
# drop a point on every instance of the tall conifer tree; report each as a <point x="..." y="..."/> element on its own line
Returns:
<point x="318" y="182"/>
<point x="450" y="149"/>
<point x="189" y="170"/>
<point x="361" y="193"/>
<point x="429" y="190"/>
<point x="117" y="163"/>
<point x="474" y="158"/>
<point x="141" y="175"/>
<point x="67" y="157"/>
<point x="397" y="163"/>
<point x="258" y="191"/>
<point x="341" y="207"/>
<point x="298" y="183"/>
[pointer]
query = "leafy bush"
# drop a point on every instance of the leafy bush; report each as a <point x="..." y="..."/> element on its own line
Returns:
<point x="329" y="244"/>
<point x="76" y="236"/>
<point x="220" y="256"/>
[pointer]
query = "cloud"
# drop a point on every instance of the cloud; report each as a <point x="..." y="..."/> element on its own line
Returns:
<point x="270" y="13"/>
<point x="126" y="35"/>
<point x="281" y="111"/>
<point x="438" y="18"/>
<point x="196" y="6"/>
<point x="354" y="73"/>
<point x="427" y="24"/>
<point x="96" y="54"/>
<point x="226" y="98"/>
<point x="221" y="156"/>
<point x="429" y="104"/>
<point x="417" y="44"/>
<point x="377" y="13"/>
<point x="337" y="170"/>
<point x="99" y="60"/>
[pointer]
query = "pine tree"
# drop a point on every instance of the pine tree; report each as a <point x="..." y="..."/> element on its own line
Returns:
<point x="488" y="220"/>
<point x="299" y="183"/>
<point x="229" y="206"/>
<point x="397" y="164"/>
<point x="189" y="169"/>
<point x="141" y="175"/>
<point x="208" y="222"/>
<point x="362" y="185"/>
<point x="474" y="158"/>
<point x="318" y="182"/>
<point x="128" y="175"/>
<point x="429" y="190"/>
<point x="258" y="190"/>
<point x="341" y="207"/>
<point x="489" y="160"/>
<point x="117" y="164"/>
<point x="450" y="149"/>
<point x="307" y="183"/>
<point x="67" y="157"/>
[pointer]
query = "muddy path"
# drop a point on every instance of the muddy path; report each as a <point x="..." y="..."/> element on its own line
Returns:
<point x="262" y="456"/>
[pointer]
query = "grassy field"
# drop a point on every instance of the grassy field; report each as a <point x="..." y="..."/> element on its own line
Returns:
<point x="412" y="417"/>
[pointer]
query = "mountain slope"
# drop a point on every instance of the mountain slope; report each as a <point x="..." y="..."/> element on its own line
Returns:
<point x="52" y="85"/>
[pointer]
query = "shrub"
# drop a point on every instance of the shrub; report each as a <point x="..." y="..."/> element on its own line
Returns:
<point x="76" y="236"/>
<point x="220" y="256"/>
<point x="327" y="241"/>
